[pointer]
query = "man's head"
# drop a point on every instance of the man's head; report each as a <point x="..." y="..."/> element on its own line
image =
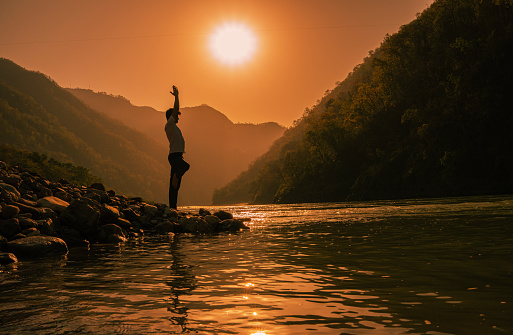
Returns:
<point x="171" y="112"/>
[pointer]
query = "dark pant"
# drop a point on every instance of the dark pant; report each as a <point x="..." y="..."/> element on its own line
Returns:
<point x="178" y="169"/>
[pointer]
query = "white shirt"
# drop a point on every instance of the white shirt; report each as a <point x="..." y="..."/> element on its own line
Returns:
<point x="174" y="136"/>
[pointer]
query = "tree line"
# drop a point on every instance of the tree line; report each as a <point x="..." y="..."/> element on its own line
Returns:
<point x="428" y="113"/>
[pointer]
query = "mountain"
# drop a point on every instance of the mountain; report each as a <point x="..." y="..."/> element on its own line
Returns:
<point x="123" y="144"/>
<point x="217" y="149"/>
<point x="428" y="113"/>
<point x="38" y="115"/>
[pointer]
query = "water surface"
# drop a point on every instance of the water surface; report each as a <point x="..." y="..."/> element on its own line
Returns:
<point x="437" y="266"/>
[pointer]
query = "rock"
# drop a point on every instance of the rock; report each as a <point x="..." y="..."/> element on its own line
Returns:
<point x="13" y="180"/>
<point x="45" y="192"/>
<point x="10" y="227"/>
<point x="3" y="243"/>
<point x="112" y="233"/>
<point x="222" y="215"/>
<point x="10" y="211"/>
<point x="123" y="223"/>
<point x="37" y="246"/>
<point x="196" y="225"/>
<point x="54" y="203"/>
<point x="108" y="214"/>
<point x="212" y="220"/>
<point x="7" y="258"/>
<point x="204" y="212"/>
<point x="232" y="225"/>
<point x="34" y="211"/>
<point x="167" y="227"/>
<point x="149" y="209"/>
<point x="31" y="232"/>
<point x="8" y="193"/>
<point x="83" y="215"/>
<point x="47" y="227"/>
<point x="26" y="223"/>
<point x="130" y="214"/>
<point x="73" y="238"/>
<point x="169" y="212"/>
<point x="98" y="186"/>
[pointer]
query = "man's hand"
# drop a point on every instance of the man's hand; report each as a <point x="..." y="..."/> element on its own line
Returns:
<point x="174" y="91"/>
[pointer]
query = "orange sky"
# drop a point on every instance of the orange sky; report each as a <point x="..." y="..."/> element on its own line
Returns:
<point x="139" y="49"/>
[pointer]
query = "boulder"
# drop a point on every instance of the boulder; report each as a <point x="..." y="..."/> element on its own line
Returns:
<point x="149" y="209"/>
<point x="123" y="223"/>
<point x="26" y="223"/>
<point x="34" y="211"/>
<point x="47" y="227"/>
<point x="112" y="233"/>
<point x="31" y="232"/>
<point x="212" y="220"/>
<point x="8" y="193"/>
<point x="36" y="246"/>
<point x="108" y="214"/>
<point x="10" y="227"/>
<point x="166" y="227"/>
<point x="170" y="213"/>
<point x="196" y="225"/>
<point x="56" y="204"/>
<point x="204" y="212"/>
<point x="10" y="211"/>
<point x="73" y="237"/>
<point x="45" y="192"/>
<point x="98" y="186"/>
<point x="7" y="258"/>
<point x="82" y="214"/>
<point x="223" y="215"/>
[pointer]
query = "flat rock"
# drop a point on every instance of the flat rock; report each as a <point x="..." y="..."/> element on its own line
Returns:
<point x="36" y="246"/>
<point x="54" y="203"/>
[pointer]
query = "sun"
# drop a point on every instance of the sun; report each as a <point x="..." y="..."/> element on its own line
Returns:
<point x="233" y="43"/>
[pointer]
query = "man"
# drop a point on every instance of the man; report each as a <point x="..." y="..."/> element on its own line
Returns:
<point x="176" y="150"/>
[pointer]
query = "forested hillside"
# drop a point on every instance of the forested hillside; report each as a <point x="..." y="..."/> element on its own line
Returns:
<point x="38" y="115"/>
<point x="428" y="113"/>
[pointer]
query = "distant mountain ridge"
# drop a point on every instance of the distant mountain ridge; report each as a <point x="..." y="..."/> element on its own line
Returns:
<point x="125" y="145"/>
<point x="217" y="149"/>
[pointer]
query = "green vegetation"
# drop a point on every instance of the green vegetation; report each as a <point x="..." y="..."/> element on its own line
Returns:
<point x="47" y="167"/>
<point x="428" y="113"/>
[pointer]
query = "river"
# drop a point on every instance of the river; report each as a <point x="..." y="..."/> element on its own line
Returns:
<point x="431" y="266"/>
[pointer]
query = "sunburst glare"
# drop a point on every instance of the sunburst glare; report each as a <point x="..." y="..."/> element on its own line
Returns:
<point x="233" y="43"/>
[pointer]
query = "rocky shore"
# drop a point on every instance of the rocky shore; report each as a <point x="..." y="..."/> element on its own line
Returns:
<point x="39" y="217"/>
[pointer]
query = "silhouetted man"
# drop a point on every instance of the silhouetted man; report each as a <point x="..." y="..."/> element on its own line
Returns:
<point x="176" y="150"/>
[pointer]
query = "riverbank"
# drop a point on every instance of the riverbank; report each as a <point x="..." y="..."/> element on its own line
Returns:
<point x="40" y="217"/>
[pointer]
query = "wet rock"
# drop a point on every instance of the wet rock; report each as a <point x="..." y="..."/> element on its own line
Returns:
<point x="166" y="227"/>
<point x="231" y="225"/>
<point x="8" y="193"/>
<point x="7" y="258"/>
<point x="47" y="227"/>
<point x="10" y="211"/>
<point x="73" y="237"/>
<point x="170" y="213"/>
<point x="196" y="225"/>
<point x="54" y="203"/>
<point x="223" y="215"/>
<point x="123" y="223"/>
<point x="204" y="212"/>
<point x="112" y="233"/>
<point x="212" y="220"/>
<point x="9" y="228"/>
<point x="37" y="246"/>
